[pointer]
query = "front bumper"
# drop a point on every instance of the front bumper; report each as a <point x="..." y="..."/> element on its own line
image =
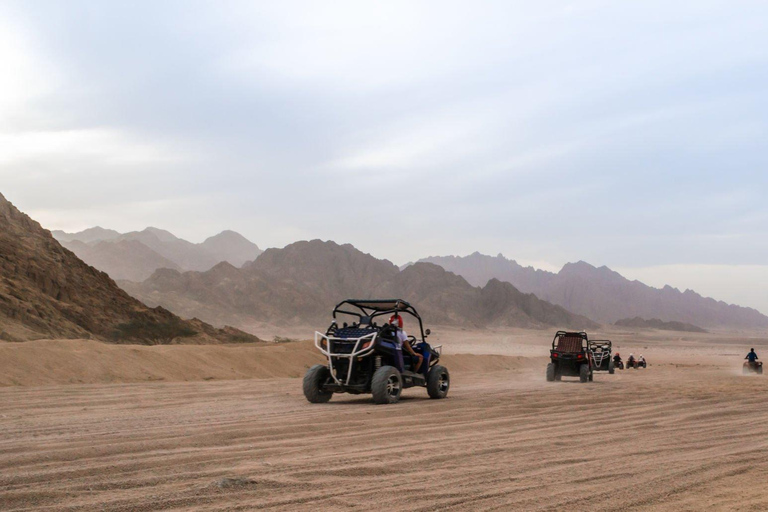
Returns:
<point x="344" y="348"/>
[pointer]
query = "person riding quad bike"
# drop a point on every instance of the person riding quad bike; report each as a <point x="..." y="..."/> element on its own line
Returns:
<point x="617" y="363"/>
<point x="631" y="361"/>
<point x="752" y="364"/>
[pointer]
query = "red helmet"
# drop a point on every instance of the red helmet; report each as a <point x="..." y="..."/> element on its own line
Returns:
<point x="396" y="318"/>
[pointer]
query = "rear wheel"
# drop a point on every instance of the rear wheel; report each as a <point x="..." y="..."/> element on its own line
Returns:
<point x="386" y="385"/>
<point x="584" y="373"/>
<point x="314" y="380"/>
<point x="611" y="367"/>
<point x="551" y="372"/>
<point x="760" y="370"/>
<point x="438" y="381"/>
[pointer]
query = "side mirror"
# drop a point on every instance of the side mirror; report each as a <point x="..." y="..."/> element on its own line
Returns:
<point x="427" y="332"/>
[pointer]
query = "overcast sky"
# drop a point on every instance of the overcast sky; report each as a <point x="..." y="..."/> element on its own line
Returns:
<point x="627" y="134"/>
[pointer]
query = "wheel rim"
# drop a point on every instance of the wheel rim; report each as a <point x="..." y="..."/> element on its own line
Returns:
<point x="393" y="386"/>
<point x="442" y="383"/>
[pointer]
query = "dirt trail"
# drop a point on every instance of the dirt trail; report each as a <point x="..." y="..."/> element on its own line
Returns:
<point x="662" y="439"/>
<point x="688" y="433"/>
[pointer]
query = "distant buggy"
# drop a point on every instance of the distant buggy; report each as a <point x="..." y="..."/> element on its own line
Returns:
<point x="570" y="357"/>
<point x="602" y="358"/>
<point x="365" y="356"/>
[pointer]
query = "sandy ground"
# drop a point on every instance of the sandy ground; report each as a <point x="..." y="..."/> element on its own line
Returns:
<point x="687" y="433"/>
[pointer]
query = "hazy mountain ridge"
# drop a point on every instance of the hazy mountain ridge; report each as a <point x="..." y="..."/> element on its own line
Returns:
<point x="46" y="291"/>
<point x="134" y="256"/>
<point x="603" y="294"/>
<point x="303" y="281"/>
<point x="655" y="323"/>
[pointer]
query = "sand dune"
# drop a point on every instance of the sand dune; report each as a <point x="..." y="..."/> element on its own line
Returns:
<point x="49" y="362"/>
<point x="46" y="362"/>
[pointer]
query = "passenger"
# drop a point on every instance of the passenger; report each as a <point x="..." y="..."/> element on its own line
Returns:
<point x="751" y="357"/>
<point x="402" y="337"/>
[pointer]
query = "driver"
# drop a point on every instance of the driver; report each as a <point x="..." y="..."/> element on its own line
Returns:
<point x="616" y="358"/>
<point x="397" y="322"/>
<point x="752" y="356"/>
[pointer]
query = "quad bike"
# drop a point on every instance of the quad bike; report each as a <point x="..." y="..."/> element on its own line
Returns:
<point x="364" y="357"/>
<point x="570" y="357"/>
<point x="752" y="367"/>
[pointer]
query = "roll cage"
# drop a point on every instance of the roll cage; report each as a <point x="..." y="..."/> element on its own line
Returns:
<point x="570" y="342"/>
<point x="369" y="309"/>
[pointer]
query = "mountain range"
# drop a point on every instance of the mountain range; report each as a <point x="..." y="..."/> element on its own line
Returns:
<point x="223" y="281"/>
<point x="47" y="291"/>
<point x="303" y="281"/>
<point x="136" y="255"/>
<point x="602" y="294"/>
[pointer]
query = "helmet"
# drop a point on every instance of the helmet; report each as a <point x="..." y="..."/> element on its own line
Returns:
<point x="396" y="319"/>
<point x="631" y="355"/>
<point x="617" y="353"/>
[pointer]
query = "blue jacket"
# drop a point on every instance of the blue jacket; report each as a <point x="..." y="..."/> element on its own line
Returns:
<point x="751" y="356"/>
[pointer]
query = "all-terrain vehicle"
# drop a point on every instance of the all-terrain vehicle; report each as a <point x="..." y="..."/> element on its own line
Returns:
<point x="602" y="360"/>
<point x="367" y="357"/>
<point x="570" y="357"/>
<point x="752" y="367"/>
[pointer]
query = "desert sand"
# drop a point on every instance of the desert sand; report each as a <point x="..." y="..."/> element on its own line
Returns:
<point x="89" y="426"/>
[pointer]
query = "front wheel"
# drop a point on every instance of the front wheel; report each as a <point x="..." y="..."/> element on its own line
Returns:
<point x="386" y="385"/>
<point x="438" y="381"/>
<point x="611" y="368"/>
<point x="313" y="384"/>
<point x="584" y="373"/>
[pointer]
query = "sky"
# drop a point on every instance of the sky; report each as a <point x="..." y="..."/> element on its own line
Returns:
<point x="627" y="134"/>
